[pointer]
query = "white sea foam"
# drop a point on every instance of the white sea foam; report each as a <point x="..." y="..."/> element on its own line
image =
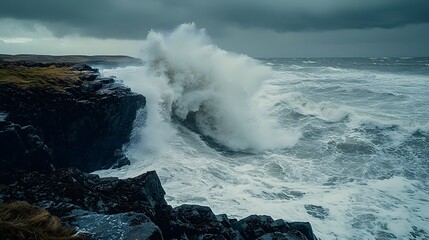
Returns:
<point x="184" y="72"/>
<point x="323" y="110"/>
<point x="352" y="159"/>
<point x="309" y="62"/>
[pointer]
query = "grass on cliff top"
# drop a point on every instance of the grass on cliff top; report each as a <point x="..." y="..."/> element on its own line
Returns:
<point x="49" y="78"/>
<point x="97" y="59"/>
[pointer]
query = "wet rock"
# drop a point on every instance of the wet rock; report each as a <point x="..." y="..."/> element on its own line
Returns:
<point x="135" y="208"/>
<point x="122" y="161"/>
<point x="89" y="192"/>
<point x="201" y="223"/>
<point x="385" y="235"/>
<point x="82" y="199"/>
<point x="116" y="226"/>
<point x="13" y="148"/>
<point x="264" y="227"/>
<point x="84" y="67"/>
<point x="317" y="211"/>
<point x="280" y="236"/>
<point x="22" y="148"/>
<point x="355" y="147"/>
<point x="303" y="228"/>
<point x="224" y="220"/>
<point x="84" y="119"/>
<point x="106" y="80"/>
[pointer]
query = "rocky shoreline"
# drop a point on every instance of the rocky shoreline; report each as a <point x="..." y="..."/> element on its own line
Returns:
<point x="135" y="208"/>
<point x="60" y="121"/>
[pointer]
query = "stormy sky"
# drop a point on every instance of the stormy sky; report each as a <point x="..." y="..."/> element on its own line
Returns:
<point x="259" y="28"/>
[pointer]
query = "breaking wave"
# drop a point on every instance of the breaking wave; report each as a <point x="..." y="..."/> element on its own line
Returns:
<point x="212" y="91"/>
<point x="361" y="162"/>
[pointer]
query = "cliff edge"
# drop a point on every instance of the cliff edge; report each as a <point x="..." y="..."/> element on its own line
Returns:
<point x="75" y="117"/>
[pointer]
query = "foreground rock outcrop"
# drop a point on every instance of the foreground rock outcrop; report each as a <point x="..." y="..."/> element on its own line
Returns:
<point x="135" y="208"/>
<point x="83" y="120"/>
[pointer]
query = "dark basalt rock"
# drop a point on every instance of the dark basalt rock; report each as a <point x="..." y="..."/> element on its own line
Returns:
<point x="201" y="223"/>
<point x="116" y="226"/>
<point x="317" y="211"/>
<point x="85" y="120"/>
<point x="79" y="198"/>
<point x="135" y="208"/>
<point x="23" y="148"/>
<point x="89" y="192"/>
<point x="264" y="227"/>
<point x="89" y="140"/>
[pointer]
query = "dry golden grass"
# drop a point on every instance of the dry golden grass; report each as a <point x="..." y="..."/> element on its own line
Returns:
<point x="22" y="221"/>
<point x="50" y="78"/>
<point x="99" y="59"/>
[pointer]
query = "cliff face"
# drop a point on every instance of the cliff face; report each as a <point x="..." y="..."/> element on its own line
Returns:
<point x="83" y="119"/>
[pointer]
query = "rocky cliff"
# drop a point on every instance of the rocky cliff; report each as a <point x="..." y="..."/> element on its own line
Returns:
<point x="81" y="120"/>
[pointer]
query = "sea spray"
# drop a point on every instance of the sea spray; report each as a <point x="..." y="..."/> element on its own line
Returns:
<point x="362" y="157"/>
<point x="188" y="74"/>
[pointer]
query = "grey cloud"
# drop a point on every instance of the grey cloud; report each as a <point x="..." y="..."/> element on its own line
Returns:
<point x="131" y="19"/>
<point x="404" y="41"/>
<point x="327" y="14"/>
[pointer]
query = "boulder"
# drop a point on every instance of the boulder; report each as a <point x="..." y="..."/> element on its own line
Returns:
<point x="116" y="226"/>
<point x="201" y="223"/>
<point x="264" y="227"/>
<point x="317" y="211"/>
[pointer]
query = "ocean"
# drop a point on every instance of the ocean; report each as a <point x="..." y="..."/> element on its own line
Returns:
<point x="342" y="143"/>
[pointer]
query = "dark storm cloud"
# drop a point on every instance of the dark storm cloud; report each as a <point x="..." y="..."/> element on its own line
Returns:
<point x="131" y="19"/>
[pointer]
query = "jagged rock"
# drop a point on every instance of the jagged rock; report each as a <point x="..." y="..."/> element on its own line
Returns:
<point x="279" y="236"/>
<point x="66" y="191"/>
<point x="224" y="220"/>
<point x="89" y="202"/>
<point x="22" y="148"/>
<point x="304" y="228"/>
<point x="126" y="226"/>
<point x="84" y="67"/>
<point x="79" y="198"/>
<point x="85" y="120"/>
<point x="264" y="227"/>
<point x="89" y="192"/>
<point x="317" y="211"/>
<point x="122" y="161"/>
<point x="201" y="223"/>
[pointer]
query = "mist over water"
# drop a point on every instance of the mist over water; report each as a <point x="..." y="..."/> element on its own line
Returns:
<point x="341" y="143"/>
<point x="217" y="87"/>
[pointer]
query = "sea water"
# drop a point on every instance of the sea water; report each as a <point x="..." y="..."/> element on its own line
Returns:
<point x="342" y="143"/>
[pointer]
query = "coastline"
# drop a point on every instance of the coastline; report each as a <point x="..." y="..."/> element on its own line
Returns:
<point x="37" y="167"/>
